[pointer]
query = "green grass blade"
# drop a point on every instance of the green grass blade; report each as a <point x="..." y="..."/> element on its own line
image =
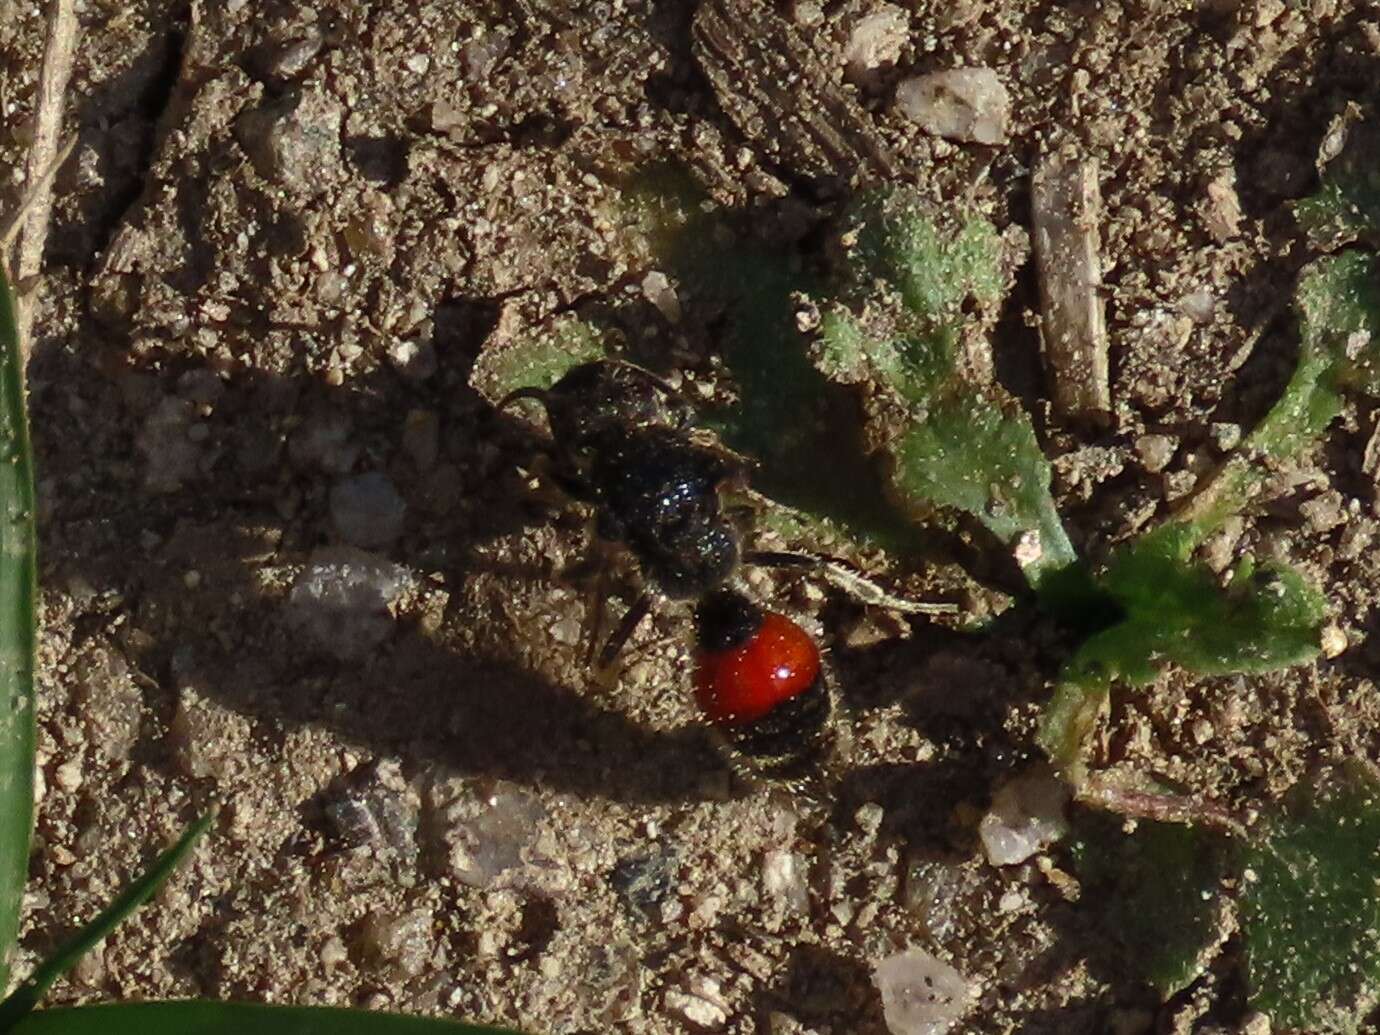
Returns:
<point x="204" y="1018"/>
<point x="17" y="592"/>
<point x="26" y="996"/>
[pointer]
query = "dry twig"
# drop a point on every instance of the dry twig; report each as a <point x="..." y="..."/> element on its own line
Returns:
<point x="43" y="154"/>
<point x="1066" y="208"/>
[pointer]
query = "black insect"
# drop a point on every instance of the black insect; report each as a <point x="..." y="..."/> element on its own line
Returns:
<point x="623" y="443"/>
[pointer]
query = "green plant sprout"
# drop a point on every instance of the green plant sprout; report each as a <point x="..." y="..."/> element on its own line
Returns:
<point x="19" y="1013"/>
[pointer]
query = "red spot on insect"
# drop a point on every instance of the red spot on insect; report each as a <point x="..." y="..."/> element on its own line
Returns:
<point x="742" y="684"/>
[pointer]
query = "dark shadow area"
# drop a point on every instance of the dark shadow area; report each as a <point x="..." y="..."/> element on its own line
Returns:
<point x="118" y="123"/>
<point x="824" y="988"/>
<point x="246" y="497"/>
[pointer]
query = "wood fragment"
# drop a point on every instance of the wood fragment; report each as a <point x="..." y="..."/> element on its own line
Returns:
<point x="1066" y="207"/>
<point x="9" y="230"/>
<point x="56" y="72"/>
<point x="782" y="95"/>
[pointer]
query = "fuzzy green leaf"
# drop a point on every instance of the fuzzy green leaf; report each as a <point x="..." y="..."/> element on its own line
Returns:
<point x="900" y="242"/>
<point x="1338" y="299"/>
<point x="1158" y="890"/>
<point x="898" y="321"/>
<point x="1311" y="917"/>
<point x="1174" y="612"/>
<point x="205" y="1018"/>
<point x="26" y="997"/>
<point x="1347" y="207"/>
<point x="537" y="358"/>
<point x="17" y="593"/>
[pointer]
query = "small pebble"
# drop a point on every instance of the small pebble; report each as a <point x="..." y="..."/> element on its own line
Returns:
<point x="291" y="59"/>
<point x="966" y="104"/>
<point x="402" y="944"/>
<point x="875" y="43"/>
<point x="1333" y="641"/>
<point x="921" y="994"/>
<point x="784" y="879"/>
<point x="295" y="141"/>
<point x="1199" y="306"/>
<point x="701" y="1006"/>
<point x="415" y="360"/>
<point x="657" y="289"/>
<point x="342" y="600"/>
<point x="367" y="510"/>
<point x="1027" y="816"/>
<point x="1155" y="451"/>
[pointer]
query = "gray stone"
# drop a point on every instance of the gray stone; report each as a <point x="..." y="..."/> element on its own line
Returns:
<point x="366" y="510"/>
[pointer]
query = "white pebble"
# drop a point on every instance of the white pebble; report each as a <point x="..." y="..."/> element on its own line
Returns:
<point x="1027" y="815"/>
<point x="968" y="104"/>
<point x="921" y="994"/>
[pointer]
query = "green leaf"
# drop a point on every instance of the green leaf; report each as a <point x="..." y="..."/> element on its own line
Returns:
<point x="535" y="357"/>
<point x="1174" y="612"/>
<point x="26" y="996"/>
<point x="1338" y="299"/>
<point x="897" y="320"/>
<point x="1158" y="893"/>
<point x="17" y="593"/>
<point x="1311" y="916"/>
<point x="1347" y="207"/>
<point x="205" y="1018"/>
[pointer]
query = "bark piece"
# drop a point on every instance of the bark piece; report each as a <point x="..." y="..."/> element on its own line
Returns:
<point x="782" y="95"/>
<point x="1066" y="206"/>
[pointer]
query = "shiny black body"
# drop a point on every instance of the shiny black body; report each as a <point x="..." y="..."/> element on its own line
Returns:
<point x="624" y="446"/>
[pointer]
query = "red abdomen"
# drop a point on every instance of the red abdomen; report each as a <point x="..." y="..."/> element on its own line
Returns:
<point x="742" y="684"/>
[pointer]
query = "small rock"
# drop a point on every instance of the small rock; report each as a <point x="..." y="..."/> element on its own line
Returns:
<point x="967" y="104"/>
<point x="366" y="510"/>
<point x="1178" y="484"/>
<point x="295" y="141"/>
<point x="413" y="359"/>
<point x="291" y="59"/>
<point x="209" y="740"/>
<point x="785" y="880"/>
<point x="333" y="952"/>
<point x="658" y="290"/>
<point x="869" y="818"/>
<point x="400" y="943"/>
<point x="701" y="1004"/>
<point x="68" y="776"/>
<point x="644" y="881"/>
<point x="875" y="44"/>
<point x="1221" y="210"/>
<point x="478" y="57"/>
<point x="1225" y="436"/>
<point x="486" y="837"/>
<point x="173" y="458"/>
<point x="1333" y="641"/>
<point x="111" y="704"/>
<point x="921" y="994"/>
<point x="342" y="600"/>
<point x="1027" y="815"/>
<point x="1199" y="306"/>
<point x="1324" y="512"/>
<point x="1155" y="451"/>
<point x="377" y="810"/>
